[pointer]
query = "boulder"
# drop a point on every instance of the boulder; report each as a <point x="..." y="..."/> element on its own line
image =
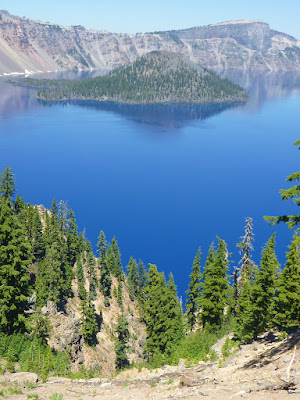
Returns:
<point x="22" y="377"/>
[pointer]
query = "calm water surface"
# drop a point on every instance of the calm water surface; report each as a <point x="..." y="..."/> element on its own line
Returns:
<point x="162" y="179"/>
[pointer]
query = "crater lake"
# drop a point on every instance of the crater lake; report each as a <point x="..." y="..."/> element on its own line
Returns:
<point x="164" y="179"/>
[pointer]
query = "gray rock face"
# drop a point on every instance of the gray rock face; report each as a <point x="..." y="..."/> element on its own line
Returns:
<point x="253" y="35"/>
<point x="244" y="45"/>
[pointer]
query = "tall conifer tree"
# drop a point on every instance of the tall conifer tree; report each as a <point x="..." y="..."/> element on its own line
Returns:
<point x="7" y="184"/>
<point x="215" y="288"/>
<point x="105" y="278"/>
<point x="72" y="239"/>
<point x="89" y="323"/>
<point x="133" y="283"/>
<point x="101" y="248"/>
<point x="193" y="293"/>
<point x="293" y="194"/>
<point x="121" y="345"/>
<point x="91" y="270"/>
<point x="174" y="331"/>
<point x="38" y="240"/>
<point x="15" y="256"/>
<point x="155" y="319"/>
<point x="162" y="312"/>
<point x="80" y="279"/>
<point x="287" y="300"/>
<point x="246" y="247"/>
<point x="257" y="309"/>
<point x="117" y="269"/>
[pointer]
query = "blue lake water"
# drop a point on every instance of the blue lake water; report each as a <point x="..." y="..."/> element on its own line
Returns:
<point x="163" y="179"/>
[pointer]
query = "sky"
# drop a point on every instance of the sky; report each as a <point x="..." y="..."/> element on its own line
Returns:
<point x="134" y="16"/>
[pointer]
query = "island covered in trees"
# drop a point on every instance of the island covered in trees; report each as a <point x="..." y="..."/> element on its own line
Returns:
<point x="157" y="77"/>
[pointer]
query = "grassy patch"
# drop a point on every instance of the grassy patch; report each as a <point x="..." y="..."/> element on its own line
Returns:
<point x="31" y="385"/>
<point x="14" y="391"/>
<point x="56" y="396"/>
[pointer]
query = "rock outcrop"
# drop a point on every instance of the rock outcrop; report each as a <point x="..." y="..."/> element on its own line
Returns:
<point x="34" y="46"/>
<point x="66" y="331"/>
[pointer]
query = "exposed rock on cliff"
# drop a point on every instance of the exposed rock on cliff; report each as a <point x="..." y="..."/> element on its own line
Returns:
<point x="34" y="46"/>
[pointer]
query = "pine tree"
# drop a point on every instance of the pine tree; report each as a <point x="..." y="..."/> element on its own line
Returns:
<point x="54" y="212"/>
<point x="80" y="279"/>
<point x="15" y="255"/>
<point x="287" y="300"/>
<point x="244" y="329"/>
<point x="155" y="319"/>
<point x="101" y="248"/>
<point x="55" y="274"/>
<point x="81" y="240"/>
<point x="105" y="278"/>
<point x="258" y="302"/>
<point x="193" y="293"/>
<point x="40" y="326"/>
<point x="72" y="239"/>
<point x="174" y="319"/>
<point x="142" y="279"/>
<point x="7" y="184"/>
<point x="121" y="345"/>
<point x="141" y="276"/>
<point x="91" y="271"/>
<point x="63" y="216"/>
<point x="294" y="194"/>
<point x="133" y="284"/>
<point x="19" y="204"/>
<point x="113" y="259"/>
<point x="50" y="280"/>
<point x="163" y="314"/>
<point x="120" y="293"/>
<point x="245" y="272"/>
<point x="246" y="246"/>
<point x="215" y="288"/>
<point x="57" y="239"/>
<point x="110" y="259"/>
<point x="38" y="241"/>
<point x="89" y="323"/>
<point x="47" y="229"/>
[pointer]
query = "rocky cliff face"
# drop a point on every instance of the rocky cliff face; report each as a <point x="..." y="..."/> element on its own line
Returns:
<point x="37" y="46"/>
<point x="66" y="330"/>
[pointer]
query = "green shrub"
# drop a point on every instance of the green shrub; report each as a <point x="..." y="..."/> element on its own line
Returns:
<point x="10" y="366"/>
<point x="282" y="335"/>
<point x="213" y="355"/>
<point x="31" y="385"/>
<point x="14" y="391"/>
<point x="33" y="355"/>
<point x="56" y="396"/>
<point x="227" y="347"/>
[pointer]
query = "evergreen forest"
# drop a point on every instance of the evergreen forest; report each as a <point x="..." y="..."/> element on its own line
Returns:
<point x="157" y="77"/>
<point x="45" y="260"/>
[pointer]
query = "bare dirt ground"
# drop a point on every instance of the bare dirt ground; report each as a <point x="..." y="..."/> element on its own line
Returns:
<point x="265" y="370"/>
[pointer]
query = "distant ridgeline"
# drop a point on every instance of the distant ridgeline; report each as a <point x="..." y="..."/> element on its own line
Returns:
<point x="158" y="77"/>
